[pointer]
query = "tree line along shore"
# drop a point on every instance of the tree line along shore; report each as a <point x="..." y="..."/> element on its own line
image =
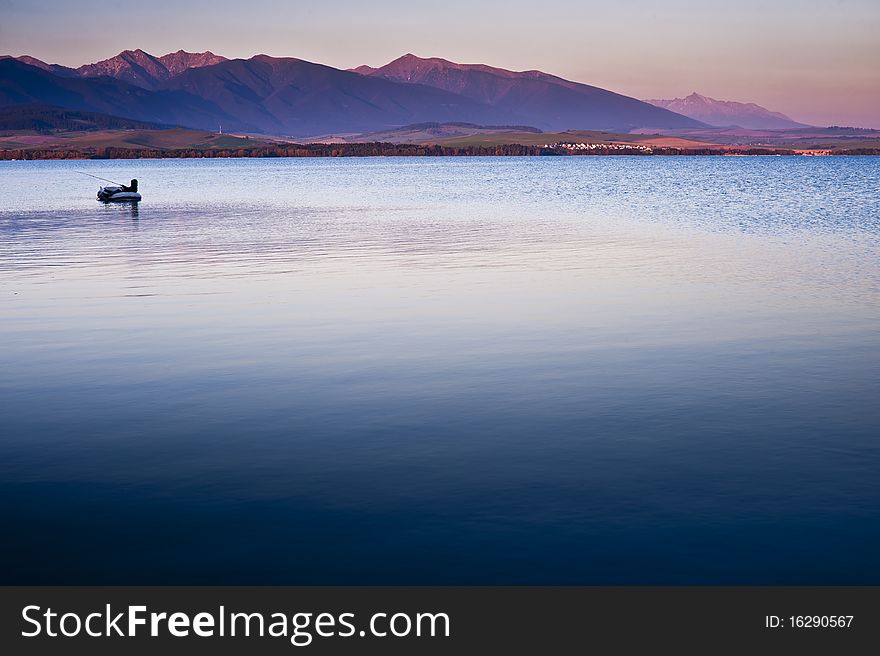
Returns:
<point x="392" y="150"/>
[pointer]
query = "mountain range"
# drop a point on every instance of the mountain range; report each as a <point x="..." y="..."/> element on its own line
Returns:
<point x="293" y="97"/>
<point x="727" y="113"/>
<point x="533" y="97"/>
<point x="144" y="70"/>
<point x="25" y="84"/>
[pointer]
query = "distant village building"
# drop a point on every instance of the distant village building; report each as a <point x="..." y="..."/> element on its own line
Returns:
<point x="602" y="147"/>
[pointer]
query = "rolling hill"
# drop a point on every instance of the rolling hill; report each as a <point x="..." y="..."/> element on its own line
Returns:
<point x="429" y="133"/>
<point x="130" y="139"/>
<point x="47" y="119"/>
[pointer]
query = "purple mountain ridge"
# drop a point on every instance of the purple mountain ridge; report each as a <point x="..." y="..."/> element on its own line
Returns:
<point x="724" y="113"/>
<point x="145" y="70"/>
<point x="296" y="97"/>
<point x="57" y="69"/>
<point x="23" y="84"/>
<point x="134" y="66"/>
<point x="533" y="97"/>
<point x="292" y="97"/>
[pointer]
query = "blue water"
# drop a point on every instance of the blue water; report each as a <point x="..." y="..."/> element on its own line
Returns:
<point x="460" y="371"/>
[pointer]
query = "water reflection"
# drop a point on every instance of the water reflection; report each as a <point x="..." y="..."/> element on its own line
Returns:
<point x="130" y="208"/>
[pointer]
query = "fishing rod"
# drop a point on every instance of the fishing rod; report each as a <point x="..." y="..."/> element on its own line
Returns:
<point x="97" y="178"/>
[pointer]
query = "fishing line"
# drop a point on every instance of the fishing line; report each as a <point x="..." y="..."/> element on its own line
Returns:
<point x="97" y="178"/>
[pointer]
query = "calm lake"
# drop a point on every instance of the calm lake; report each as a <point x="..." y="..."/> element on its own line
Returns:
<point x="594" y="370"/>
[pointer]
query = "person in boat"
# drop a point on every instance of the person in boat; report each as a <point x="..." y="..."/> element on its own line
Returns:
<point x="133" y="187"/>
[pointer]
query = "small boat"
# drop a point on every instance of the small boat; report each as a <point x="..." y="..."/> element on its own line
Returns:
<point x="116" y="193"/>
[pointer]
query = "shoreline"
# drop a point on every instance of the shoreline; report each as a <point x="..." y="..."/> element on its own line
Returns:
<point x="411" y="150"/>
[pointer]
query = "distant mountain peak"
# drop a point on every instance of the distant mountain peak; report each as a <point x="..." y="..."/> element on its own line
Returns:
<point x="415" y="64"/>
<point x="188" y="53"/>
<point x="725" y="113"/>
<point x="177" y="62"/>
<point x="57" y="69"/>
<point x="133" y="66"/>
<point x="33" y="61"/>
<point x="148" y="71"/>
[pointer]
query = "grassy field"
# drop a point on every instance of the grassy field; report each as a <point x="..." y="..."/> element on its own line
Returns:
<point x="801" y="139"/>
<point x="172" y="139"/>
<point x="180" y="138"/>
<point x="426" y="133"/>
<point x="569" y="136"/>
<point x="91" y="143"/>
<point x="832" y="144"/>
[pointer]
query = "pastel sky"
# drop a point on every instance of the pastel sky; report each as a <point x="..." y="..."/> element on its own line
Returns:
<point x="816" y="60"/>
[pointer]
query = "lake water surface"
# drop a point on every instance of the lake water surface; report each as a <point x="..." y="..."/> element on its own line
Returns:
<point x="604" y="370"/>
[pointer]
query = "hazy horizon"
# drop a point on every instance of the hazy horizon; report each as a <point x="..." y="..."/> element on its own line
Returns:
<point x="815" y="61"/>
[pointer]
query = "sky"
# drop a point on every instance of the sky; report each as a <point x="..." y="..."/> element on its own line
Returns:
<point x="816" y="60"/>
